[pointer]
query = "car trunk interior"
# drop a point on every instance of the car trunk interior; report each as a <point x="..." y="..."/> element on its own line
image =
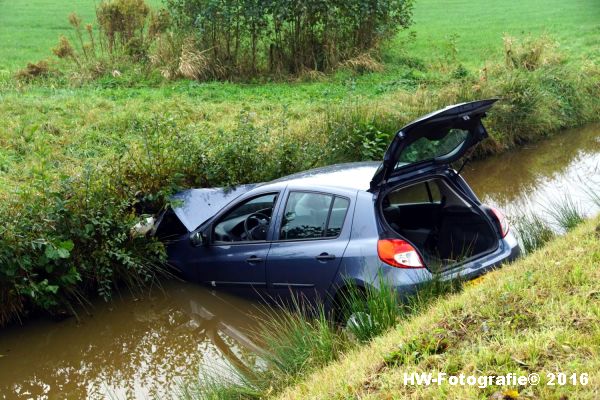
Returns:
<point x="443" y="226"/>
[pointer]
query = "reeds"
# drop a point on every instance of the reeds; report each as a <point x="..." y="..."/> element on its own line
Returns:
<point x="369" y="311"/>
<point x="566" y="213"/>
<point x="305" y="336"/>
<point x="533" y="231"/>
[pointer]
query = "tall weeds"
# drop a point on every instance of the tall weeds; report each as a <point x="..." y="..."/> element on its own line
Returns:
<point x="533" y="231"/>
<point x="370" y="311"/>
<point x="121" y="38"/>
<point x="299" y="340"/>
<point x="566" y="213"/>
<point x="302" y="337"/>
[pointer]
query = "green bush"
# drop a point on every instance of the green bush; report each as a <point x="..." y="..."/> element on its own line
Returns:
<point x="61" y="241"/>
<point x="69" y="241"/>
<point x="250" y="36"/>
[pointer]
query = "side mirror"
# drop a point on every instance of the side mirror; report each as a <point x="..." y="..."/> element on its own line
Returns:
<point x="198" y="238"/>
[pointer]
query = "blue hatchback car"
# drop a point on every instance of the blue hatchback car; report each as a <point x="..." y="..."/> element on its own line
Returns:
<point x="406" y="219"/>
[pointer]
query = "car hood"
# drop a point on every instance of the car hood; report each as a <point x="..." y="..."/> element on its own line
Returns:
<point x="194" y="207"/>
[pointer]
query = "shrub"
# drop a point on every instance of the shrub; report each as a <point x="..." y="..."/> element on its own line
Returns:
<point x="59" y="242"/>
<point x="122" y="21"/>
<point x="126" y="31"/>
<point x="34" y="70"/>
<point x="250" y="36"/>
<point x="74" y="241"/>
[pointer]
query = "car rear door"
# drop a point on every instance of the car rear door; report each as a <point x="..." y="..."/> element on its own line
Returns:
<point x="432" y="141"/>
<point x="312" y="233"/>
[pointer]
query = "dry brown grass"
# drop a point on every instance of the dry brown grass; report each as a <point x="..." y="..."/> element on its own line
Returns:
<point x="311" y="75"/>
<point x="530" y="53"/>
<point x="34" y="70"/>
<point x="193" y="64"/>
<point x="64" y="49"/>
<point x="363" y="63"/>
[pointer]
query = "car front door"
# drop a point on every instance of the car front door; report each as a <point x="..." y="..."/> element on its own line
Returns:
<point x="313" y="231"/>
<point x="235" y="257"/>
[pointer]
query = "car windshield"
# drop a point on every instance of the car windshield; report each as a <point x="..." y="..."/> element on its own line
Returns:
<point x="432" y="146"/>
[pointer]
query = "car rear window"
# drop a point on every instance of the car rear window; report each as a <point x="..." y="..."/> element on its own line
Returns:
<point x="432" y="147"/>
<point x="310" y="215"/>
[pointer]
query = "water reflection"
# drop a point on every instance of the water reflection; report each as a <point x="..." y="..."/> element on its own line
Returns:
<point x="141" y="349"/>
<point x="541" y="174"/>
<point x="132" y="349"/>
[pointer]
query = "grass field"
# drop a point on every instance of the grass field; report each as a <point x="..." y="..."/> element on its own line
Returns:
<point x="472" y="30"/>
<point x="538" y="315"/>
<point x="29" y="29"/>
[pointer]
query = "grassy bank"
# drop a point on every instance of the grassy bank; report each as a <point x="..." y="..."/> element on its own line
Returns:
<point x="80" y="163"/>
<point x="539" y="315"/>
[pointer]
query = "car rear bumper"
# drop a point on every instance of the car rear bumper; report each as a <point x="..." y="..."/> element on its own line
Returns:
<point x="407" y="281"/>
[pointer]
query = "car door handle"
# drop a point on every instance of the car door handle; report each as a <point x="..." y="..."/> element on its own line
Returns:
<point x="253" y="260"/>
<point x="325" y="257"/>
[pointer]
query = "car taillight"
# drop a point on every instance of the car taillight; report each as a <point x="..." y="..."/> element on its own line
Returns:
<point x="398" y="253"/>
<point x="502" y="221"/>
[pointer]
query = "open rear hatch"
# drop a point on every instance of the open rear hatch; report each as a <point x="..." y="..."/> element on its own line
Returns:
<point x="439" y="221"/>
<point x="441" y="137"/>
<point x="437" y="218"/>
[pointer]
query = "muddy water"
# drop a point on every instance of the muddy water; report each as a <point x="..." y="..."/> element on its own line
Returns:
<point x="132" y="348"/>
<point x="142" y="348"/>
<point x="541" y="174"/>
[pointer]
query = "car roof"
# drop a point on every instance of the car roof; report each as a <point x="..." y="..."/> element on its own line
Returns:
<point x="355" y="176"/>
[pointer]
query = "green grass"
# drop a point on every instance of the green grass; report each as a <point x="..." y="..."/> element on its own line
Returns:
<point x="539" y="314"/>
<point x="372" y="311"/>
<point x="533" y="231"/>
<point x="471" y="29"/>
<point x="566" y="213"/>
<point x="29" y="29"/>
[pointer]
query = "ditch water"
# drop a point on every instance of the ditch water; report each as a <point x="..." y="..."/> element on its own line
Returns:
<point x="142" y="348"/>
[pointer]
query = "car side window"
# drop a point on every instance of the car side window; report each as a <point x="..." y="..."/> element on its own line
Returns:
<point x="248" y="221"/>
<point x="337" y="216"/>
<point x="313" y="216"/>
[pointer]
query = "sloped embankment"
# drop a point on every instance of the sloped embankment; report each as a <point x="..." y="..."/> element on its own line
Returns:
<point x="538" y="315"/>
